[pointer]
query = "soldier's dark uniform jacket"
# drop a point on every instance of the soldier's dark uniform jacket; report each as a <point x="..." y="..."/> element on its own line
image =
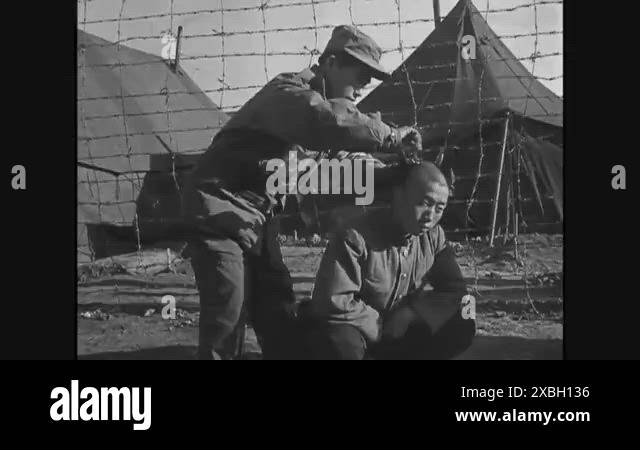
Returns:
<point x="226" y="203"/>
<point x="227" y="194"/>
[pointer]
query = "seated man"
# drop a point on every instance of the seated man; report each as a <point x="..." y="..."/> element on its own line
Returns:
<point x="371" y="296"/>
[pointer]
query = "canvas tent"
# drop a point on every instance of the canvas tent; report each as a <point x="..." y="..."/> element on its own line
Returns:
<point x="141" y="122"/>
<point x="469" y="106"/>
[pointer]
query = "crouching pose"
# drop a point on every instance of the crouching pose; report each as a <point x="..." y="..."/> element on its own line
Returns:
<point x="389" y="287"/>
<point x="229" y="210"/>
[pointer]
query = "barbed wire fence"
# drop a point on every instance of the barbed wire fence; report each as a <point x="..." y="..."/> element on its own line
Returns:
<point x="104" y="186"/>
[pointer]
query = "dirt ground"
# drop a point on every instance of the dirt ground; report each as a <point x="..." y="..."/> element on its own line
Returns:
<point x="518" y="304"/>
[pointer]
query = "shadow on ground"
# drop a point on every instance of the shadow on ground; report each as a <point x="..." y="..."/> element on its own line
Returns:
<point x="483" y="347"/>
<point x="512" y="348"/>
<point x="172" y="352"/>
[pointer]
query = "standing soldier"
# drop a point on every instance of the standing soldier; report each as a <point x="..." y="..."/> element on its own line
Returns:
<point x="235" y="255"/>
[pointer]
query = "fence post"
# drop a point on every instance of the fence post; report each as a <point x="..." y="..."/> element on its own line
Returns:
<point x="497" y="196"/>
<point x="436" y="13"/>
<point x="177" y="59"/>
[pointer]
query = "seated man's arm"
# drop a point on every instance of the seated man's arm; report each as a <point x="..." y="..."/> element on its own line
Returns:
<point x="443" y="302"/>
<point x="337" y="286"/>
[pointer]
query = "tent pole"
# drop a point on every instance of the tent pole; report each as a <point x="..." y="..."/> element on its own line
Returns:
<point x="497" y="196"/>
<point x="177" y="59"/>
<point x="514" y="210"/>
<point x="511" y="196"/>
<point x="516" y="206"/>
<point x="436" y="12"/>
<point x="507" y="212"/>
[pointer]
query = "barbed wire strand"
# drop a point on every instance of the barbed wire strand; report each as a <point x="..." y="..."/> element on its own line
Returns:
<point x="315" y="31"/>
<point x="433" y="125"/>
<point x="533" y="69"/>
<point x="170" y="148"/>
<point x="224" y="65"/>
<point x="304" y="52"/>
<point x="127" y="142"/>
<point x="404" y="68"/>
<point x="81" y="111"/>
<point x="290" y="5"/>
<point x="421" y="107"/>
<point x="480" y="137"/>
<point x="129" y="148"/>
<point x="236" y="88"/>
<point x="353" y="22"/>
<point x="216" y="33"/>
<point x="474" y="264"/>
<point x="264" y="38"/>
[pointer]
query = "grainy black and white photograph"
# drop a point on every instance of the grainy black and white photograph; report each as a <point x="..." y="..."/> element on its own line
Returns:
<point x="320" y="179"/>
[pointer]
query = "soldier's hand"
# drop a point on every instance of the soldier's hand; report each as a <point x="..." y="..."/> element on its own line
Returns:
<point x="408" y="144"/>
<point x="405" y="142"/>
<point x="409" y="136"/>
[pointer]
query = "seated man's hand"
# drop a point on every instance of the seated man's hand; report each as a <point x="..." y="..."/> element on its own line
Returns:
<point x="396" y="325"/>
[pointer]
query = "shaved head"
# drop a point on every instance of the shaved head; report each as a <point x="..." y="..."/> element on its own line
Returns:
<point x="424" y="173"/>
<point x="418" y="204"/>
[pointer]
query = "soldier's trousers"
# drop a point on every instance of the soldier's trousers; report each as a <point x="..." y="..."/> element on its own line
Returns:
<point x="234" y="286"/>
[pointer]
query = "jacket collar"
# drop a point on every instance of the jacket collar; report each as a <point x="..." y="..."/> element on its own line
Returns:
<point x="311" y="76"/>
<point x="389" y="231"/>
